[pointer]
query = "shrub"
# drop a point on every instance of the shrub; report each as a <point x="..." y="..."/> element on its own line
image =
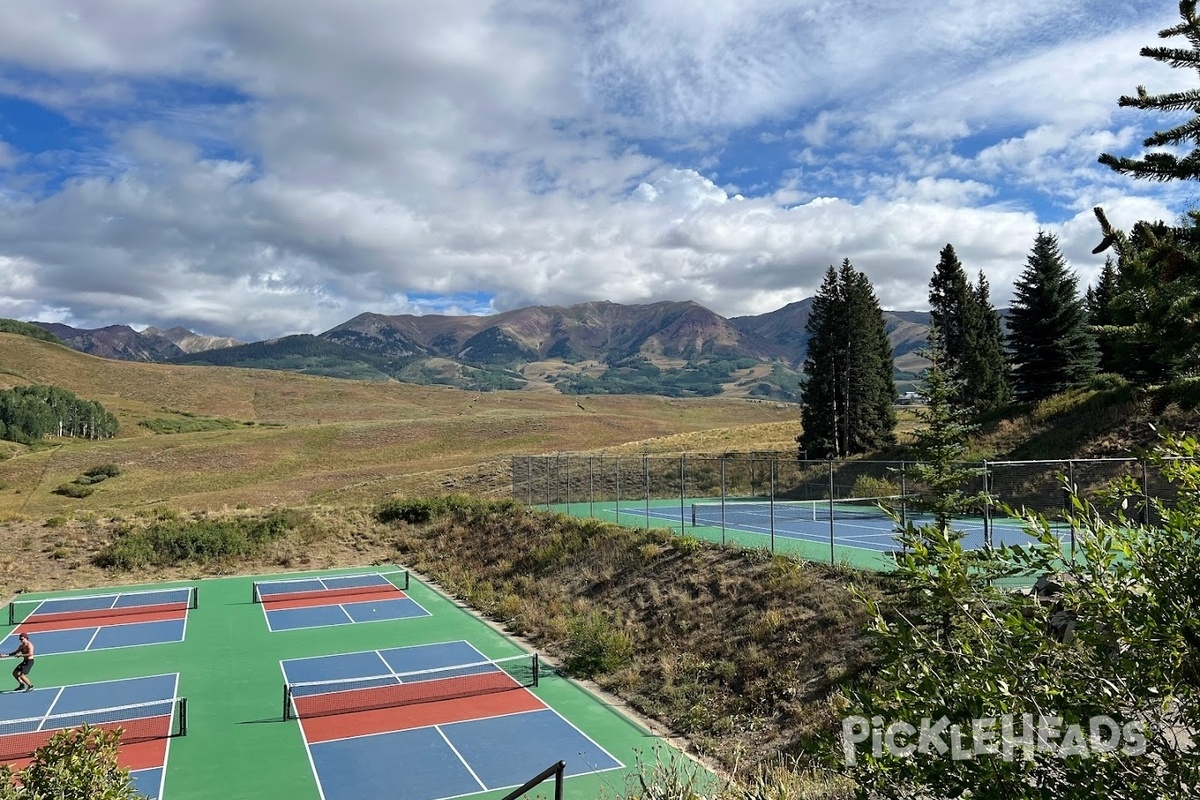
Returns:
<point x="73" y="490"/>
<point x="79" y="763"/>
<point x="417" y="511"/>
<point x="1107" y="381"/>
<point x="168" y="542"/>
<point x="103" y="471"/>
<point x="595" y="646"/>
<point x="872" y="486"/>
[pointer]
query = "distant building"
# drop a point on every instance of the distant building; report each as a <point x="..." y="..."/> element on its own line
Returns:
<point x="909" y="399"/>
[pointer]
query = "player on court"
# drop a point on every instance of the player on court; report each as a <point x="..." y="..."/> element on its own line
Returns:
<point x="21" y="673"/>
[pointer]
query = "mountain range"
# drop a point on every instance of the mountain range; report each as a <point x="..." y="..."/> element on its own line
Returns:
<point x="672" y="348"/>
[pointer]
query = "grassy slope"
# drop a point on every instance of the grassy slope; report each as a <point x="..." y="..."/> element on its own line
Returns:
<point x="322" y="440"/>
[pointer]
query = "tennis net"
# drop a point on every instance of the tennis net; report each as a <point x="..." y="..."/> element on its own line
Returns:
<point x="308" y="699"/>
<point x="56" y="609"/>
<point x="757" y="513"/>
<point x="139" y="722"/>
<point x="333" y="585"/>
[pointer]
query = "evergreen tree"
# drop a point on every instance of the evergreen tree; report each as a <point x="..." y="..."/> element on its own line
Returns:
<point x="1156" y="335"/>
<point x="991" y="388"/>
<point x="953" y="311"/>
<point x="847" y="401"/>
<point x="819" y="409"/>
<point x="1103" y="316"/>
<point x="1162" y="165"/>
<point x="1153" y="333"/>
<point x="1051" y="346"/>
<point x="970" y="331"/>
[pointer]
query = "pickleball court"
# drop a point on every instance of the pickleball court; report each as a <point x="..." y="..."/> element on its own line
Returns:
<point x="425" y="705"/>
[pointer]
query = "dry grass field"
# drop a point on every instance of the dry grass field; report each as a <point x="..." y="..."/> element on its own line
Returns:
<point x="298" y="440"/>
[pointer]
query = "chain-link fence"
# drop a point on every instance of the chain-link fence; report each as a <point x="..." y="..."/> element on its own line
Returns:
<point x="828" y="510"/>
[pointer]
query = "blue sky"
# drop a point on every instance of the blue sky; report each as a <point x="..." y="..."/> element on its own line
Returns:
<point x="266" y="167"/>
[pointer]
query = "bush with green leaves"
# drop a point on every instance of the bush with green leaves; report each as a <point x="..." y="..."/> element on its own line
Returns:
<point x="989" y="693"/>
<point x="168" y="542"/>
<point x="103" y="471"/>
<point x="75" y="490"/>
<point x="596" y="646"/>
<point x="79" y="764"/>
<point x="419" y="510"/>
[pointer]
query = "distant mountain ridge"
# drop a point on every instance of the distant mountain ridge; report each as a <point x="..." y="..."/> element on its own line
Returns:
<point x="124" y="343"/>
<point x="674" y="348"/>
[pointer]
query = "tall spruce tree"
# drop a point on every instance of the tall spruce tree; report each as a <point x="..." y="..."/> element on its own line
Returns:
<point x="991" y="389"/>
<point x="1052" y="348"/>
<point x="971" y="341"/>
<point x="1103" y="316"/>
<point x="820" y="411"/>
<point x="847" y="403"/>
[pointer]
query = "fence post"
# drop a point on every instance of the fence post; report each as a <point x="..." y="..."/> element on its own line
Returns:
<point x="1145" y="492"/>
<point x="772" y="468"/>
<point x="617" y="510"/>
<point x="987" y="507"/>
<point x="646" y="486"/>
<point x="682" y="488"/>
<point x="832" y="556"/>
<point x="1070" y="511"/>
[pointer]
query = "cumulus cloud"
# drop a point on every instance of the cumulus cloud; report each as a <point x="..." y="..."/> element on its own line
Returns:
<point x="266" y="167"/>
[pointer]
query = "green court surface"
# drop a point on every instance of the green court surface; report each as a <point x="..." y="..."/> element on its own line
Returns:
<point x="860" y="543"/>
<point x="238" y="745"/>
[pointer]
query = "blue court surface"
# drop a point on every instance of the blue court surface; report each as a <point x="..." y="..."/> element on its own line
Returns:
<point x="437" y="749"/>
<point x="321" y="616"/>
<point x="98" y="637"/>
<point x="143" y="707"/>
<point x="864" y="532"/>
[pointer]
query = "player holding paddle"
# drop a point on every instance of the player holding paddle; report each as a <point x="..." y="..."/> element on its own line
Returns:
<point x="21" y="672"/>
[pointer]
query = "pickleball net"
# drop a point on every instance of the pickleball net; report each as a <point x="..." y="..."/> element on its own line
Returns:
<point x="58" y="609"/>
<point x="304" y="700"/>
<point x="761" y="512"/>
<point x="331" y="586"/>
<point x="138" y="722"/>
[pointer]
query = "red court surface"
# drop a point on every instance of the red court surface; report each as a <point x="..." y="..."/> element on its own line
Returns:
<point x="66" y="622"/>
<point x="326" y="598"/>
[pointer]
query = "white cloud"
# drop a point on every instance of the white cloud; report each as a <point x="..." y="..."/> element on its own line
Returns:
<point x="267" y="167"/>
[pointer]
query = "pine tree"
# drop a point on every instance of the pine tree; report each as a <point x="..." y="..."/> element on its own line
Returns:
<point x="1162" y="165"/>
<point x="1156" y="336"/>
<point x="871" y="413"/>
<point x="847" y="402"/>
<point x="819" y="410"/>
<point x="991" y="388"/>
<point x="970" y="331"/>
<point x="1104" y="317"/>
<point x="1051" y="346"/>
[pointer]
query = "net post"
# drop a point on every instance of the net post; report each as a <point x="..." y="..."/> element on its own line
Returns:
<point x="287" y="702"/>
<point x="405" y="579"/>
<point x="194" y="597"/>
<point x="537" y="669"/>
<point x="12" y="613"/>
<point x="183" y="721"/>
<point x="254" y="596"/>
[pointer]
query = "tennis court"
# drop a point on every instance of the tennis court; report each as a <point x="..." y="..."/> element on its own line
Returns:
<point x="450" y="707"/>
<point x="857" y="532"/>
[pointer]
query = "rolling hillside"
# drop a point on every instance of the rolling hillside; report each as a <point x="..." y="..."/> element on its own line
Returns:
<point x="293" y="439"/>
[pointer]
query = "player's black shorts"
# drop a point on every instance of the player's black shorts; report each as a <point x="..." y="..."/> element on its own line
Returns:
<point x="24" y="667"/>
